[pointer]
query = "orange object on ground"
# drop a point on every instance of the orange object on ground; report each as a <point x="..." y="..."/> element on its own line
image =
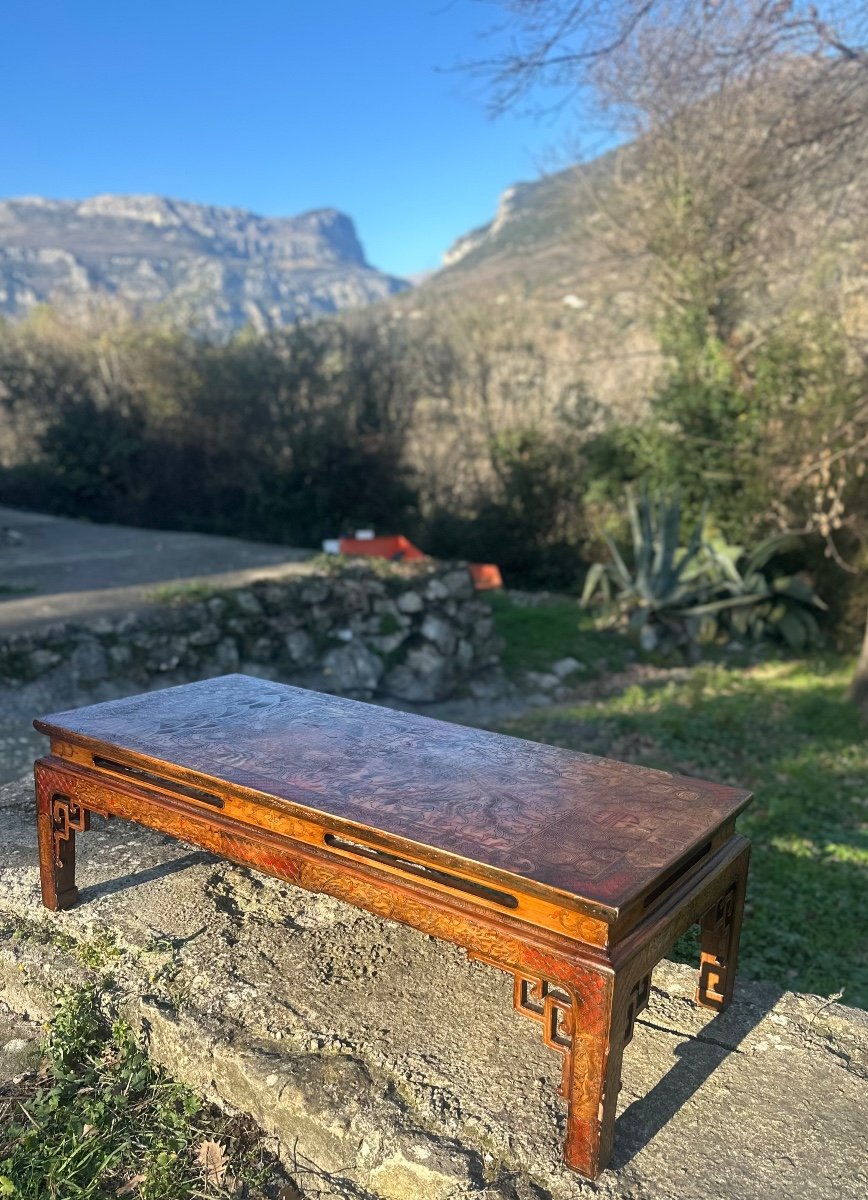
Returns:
<point x="485" y="576"/>
<point x="397" y="548"/>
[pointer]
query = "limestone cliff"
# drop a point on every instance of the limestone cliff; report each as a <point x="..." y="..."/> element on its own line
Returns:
<point x="214" y="269"/>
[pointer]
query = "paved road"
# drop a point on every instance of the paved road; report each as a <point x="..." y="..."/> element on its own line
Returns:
<point x="65" y="569"/>
<point x="74" y="570"/>
<point x="57" y="554"/>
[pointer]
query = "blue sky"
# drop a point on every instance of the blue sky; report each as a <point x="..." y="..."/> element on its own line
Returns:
<point x="274" y="105"/>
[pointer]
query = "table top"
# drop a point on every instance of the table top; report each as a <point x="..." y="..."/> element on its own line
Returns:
<point x="584" y="825"/>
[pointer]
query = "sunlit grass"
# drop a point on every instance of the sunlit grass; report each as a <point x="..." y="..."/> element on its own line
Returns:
<point x="784" y="730"/>
<point x="99" y="1120"/>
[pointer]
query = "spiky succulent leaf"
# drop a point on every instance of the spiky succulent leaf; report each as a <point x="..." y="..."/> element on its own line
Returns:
<point x="792" y="629"/>
<point x="797" y="588"/>
<point x="778" y="543"/>
<point x="597" y="579"/>
<point x="620" y="575"/>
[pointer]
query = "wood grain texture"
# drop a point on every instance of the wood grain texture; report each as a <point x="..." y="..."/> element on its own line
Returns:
<point x="591" y="828"/>
<point x="584" y="988"/>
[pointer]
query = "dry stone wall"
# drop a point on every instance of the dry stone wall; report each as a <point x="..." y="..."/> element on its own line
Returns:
<point x="414" y="634"/>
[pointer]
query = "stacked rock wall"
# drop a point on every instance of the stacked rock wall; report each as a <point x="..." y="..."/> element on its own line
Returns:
<point x="411" y="633"/>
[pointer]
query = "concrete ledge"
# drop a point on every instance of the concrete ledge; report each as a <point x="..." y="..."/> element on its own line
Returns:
<point x="396" y="1066"/>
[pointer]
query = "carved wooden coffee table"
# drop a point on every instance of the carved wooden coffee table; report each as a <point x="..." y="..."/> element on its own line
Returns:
<point x="574" y="873"/>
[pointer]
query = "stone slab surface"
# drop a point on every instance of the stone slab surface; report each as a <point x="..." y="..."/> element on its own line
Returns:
<point x="19" y="1044"/>
<point x="398" y="1069"/>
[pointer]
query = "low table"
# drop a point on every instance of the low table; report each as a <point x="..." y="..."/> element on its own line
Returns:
<point x="574" y="873"/>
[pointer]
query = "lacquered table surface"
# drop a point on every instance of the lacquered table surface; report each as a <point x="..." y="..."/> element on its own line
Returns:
<point x="592" y="827"/>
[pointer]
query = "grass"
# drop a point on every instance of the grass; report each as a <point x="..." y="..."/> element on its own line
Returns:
<point x="99" y="1120"/>
<point x="784" y="730"/>
<point x="182" y="593"/>
<point x="537" y="635"/>
<point x="96" y="952"/>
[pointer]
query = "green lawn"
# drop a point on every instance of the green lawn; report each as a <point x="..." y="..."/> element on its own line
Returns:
<point x="536" y="636"/>
<point x="782" y="729"/>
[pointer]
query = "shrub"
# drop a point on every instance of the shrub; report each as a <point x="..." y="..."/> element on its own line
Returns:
<point x="674" y="597"/>
<point x="531" y="522"/>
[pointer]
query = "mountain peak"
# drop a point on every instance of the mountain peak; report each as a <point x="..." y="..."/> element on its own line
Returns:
<point x="213" y="267"/>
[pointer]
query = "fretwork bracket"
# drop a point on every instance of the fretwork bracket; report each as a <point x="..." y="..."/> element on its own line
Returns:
<point x="552" y="1007"/>
<point x="637" y="1003"/>
<point x="68" y="818"/>
<point x="547" y="1003"/>
<point x="716" y="940"/>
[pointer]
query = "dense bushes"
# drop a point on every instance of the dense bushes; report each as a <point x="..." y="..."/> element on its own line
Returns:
<point x="468" y="440"/>
<point x="741" y="431"/>
<point x="295" y="437"/>
<point x="531" y="518"/>
<point x="768" y="436"/>
<point x="289" y="438"/>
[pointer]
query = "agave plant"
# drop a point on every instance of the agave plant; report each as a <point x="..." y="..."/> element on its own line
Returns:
<point x="752" y="604"/>
<point x="667" y="584"/>
<point x="674" y="597"/>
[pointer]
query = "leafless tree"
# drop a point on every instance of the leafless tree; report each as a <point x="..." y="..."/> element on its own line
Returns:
<point x="738" y="120"/>
<point x="743" y="128"/>
<point x="599" y="50"/>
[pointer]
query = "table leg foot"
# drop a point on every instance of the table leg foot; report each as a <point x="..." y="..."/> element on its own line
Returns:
<point x="720" y="931"/>
<point x="606" y="1008"/>
<point x="588" y="1018"/>
<point x="58" y="821"/>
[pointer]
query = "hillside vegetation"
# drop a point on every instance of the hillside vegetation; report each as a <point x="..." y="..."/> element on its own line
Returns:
<point x="415" y="426"/>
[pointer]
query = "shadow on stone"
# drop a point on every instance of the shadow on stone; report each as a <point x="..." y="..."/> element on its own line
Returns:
<point x="110" y="886"/>
<point x="698" y="1059"/>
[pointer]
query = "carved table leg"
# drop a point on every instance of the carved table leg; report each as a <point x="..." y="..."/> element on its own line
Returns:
<point x="609" y="1004"/>
<point x="720" y="930"/>
<point x="57" y="820"/>
<point x="588" y="1020"/>
<point x="588" y="1010"/>
<point x="573" y="1003"/>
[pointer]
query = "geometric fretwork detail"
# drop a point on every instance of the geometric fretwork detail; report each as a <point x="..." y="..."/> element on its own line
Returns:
<point x="550" y="1005"/>
<point x="638" y="1001"/>
<point x="69" y="817"/>
<point x="716" y="944"/>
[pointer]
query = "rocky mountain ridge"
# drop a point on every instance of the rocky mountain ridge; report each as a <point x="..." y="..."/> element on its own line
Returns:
<point x="549" y="270"/>
<point x="516" y="201"/>
<point x="211" y="268"/>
